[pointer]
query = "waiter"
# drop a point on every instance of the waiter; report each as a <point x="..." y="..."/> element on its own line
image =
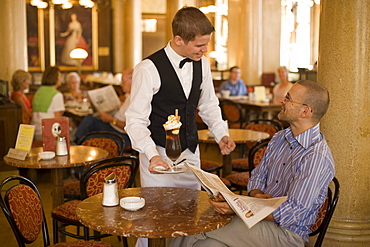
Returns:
<point x="175" y="77"/>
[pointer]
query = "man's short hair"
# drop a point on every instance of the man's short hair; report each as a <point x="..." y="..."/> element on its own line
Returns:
<point x="190" y="22"/>
<point x="316" y="96"/>
<point x="234" y="67"/>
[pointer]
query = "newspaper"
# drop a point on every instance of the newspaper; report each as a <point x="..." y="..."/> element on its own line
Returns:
<point x="104" y="99"/>
<point x="250" y="209"/>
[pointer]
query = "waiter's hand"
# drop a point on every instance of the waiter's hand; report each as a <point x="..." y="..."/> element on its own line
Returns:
<point x="157" y="161"/>
<point x="227" y="145"/>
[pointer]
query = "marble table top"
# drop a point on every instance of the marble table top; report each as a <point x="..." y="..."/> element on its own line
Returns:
<point x="78" y="156"/>
<point x="168" y="212"/>
<point x="237" y="135"/>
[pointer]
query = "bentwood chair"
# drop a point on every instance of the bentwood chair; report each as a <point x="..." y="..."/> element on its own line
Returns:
<point x="22" y="206"/>
<point x="264" y="125"/>
<point x="92" y="183"/>
<point x="325" y="213"/>
<point x="109" y="141"/>
<point x="239" y="180"/>
<point x="233" y="113"/>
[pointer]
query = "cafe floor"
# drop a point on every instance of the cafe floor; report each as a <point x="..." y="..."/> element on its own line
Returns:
<point x="7" y="238"/>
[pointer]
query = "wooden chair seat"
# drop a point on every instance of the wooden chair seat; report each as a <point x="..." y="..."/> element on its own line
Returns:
<point x="67" y="210"/>
<point x="239" y="179"/>
<point x="210" y="166"/>
<point x="72" y="190"/>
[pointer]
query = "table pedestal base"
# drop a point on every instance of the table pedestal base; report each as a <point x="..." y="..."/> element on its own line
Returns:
<point x="157" y="242"/>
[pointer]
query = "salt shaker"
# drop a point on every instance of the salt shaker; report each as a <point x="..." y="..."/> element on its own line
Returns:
<point x="110" y="192"/>
<point x="61" y="146"/>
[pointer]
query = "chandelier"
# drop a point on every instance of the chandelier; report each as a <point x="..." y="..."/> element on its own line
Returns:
<point x="66" y="4"/>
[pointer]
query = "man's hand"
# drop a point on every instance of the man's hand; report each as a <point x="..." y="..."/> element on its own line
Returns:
<point x="221" y="207"/>
<point x="259" y="194"/>
<point x="105" y="117"/>
<point x="156" y="161"/>
<point x="227" y="145"/>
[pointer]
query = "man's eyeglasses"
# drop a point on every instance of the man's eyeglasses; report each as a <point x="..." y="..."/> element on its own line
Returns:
<point x="288" y="99"/>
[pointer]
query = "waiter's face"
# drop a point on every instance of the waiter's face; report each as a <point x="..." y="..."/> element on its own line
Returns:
<point x="194" y="49"/>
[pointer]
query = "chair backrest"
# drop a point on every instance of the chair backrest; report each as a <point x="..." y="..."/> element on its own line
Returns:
<point x="256" y="153"/>
<point x="265" y="125"/>
<point x="92" y="180"/>
<point x="22" y="206"/>
<point x="325" y="213"/>
<point x="232" y="112"/>
<point x="110" y="141"/>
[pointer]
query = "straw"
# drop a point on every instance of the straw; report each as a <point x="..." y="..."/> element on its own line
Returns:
<point x="176" y="112"/>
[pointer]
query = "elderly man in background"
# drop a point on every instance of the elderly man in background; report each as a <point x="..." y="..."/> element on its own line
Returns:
<point x="107" y="122"/>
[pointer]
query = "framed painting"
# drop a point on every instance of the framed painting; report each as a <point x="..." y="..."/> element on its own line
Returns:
<point x="69" y="29"/>
<point x="35" y="38"/>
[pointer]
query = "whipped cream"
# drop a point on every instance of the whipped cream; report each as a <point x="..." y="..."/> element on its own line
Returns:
<point x="173" y="123"/>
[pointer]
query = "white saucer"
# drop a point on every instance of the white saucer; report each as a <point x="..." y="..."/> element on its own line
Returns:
<point x="171" y="171"/>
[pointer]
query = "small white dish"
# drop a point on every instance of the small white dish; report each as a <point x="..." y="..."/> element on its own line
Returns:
<point x="46" y="155"/>
<point x="132" y="203"/>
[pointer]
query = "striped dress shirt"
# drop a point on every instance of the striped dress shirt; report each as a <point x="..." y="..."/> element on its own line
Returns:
<point x="300" y="168"/>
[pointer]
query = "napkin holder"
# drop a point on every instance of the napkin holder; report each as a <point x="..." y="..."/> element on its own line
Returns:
<point x="110" y="191"/>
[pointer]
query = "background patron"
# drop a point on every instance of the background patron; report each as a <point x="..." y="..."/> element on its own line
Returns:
<point x="20" y="82"/>
<point x="107" y="122"/>
<point x="235" y="84"/>
<point x="282" y="88"/>
<point x="73" y="92"/>
<point x="48" y="101"/>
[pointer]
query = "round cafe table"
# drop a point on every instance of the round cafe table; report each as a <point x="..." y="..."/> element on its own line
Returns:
<point x="168" y="212"/>
<point x="78" y="156"/>
<point x="239" y="136"/>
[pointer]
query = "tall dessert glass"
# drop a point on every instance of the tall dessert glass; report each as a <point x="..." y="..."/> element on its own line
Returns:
<point x="173" y="145"/>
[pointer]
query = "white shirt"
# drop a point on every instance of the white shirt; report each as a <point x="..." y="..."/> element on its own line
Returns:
<point x="57" y="104"/>
<point x="146" y="82"/>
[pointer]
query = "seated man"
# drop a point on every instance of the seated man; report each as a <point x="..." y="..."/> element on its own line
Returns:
<point x="298" y="164"/>
<point x="107" y="122"/>
<point x="235" y="84"/>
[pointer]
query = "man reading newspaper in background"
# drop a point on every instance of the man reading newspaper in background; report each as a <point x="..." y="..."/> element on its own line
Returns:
<point x="104" y="121"/>
<point x="298" y="164"/>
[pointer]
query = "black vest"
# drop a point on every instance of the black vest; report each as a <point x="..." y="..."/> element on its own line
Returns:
<point x="170" y="97"/>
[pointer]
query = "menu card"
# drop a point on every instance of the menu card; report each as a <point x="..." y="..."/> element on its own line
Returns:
<point x="25" y="137"/>
<point x="23" y="143"/>
<point x="260" y="93"/>
<point x="51" y="128"/>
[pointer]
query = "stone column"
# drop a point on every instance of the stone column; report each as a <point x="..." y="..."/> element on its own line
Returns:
<point x="13" y="41"/>
<point x="254" y="37"/>
<point x="127" y="37"/>
<point x="245" y="38"/>
<point x="344" y="68"/>
<point x="172" y="8"/>
<point x="118" y="39"/>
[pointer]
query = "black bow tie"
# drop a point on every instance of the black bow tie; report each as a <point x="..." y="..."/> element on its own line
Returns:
<point x="182" y="62"/>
